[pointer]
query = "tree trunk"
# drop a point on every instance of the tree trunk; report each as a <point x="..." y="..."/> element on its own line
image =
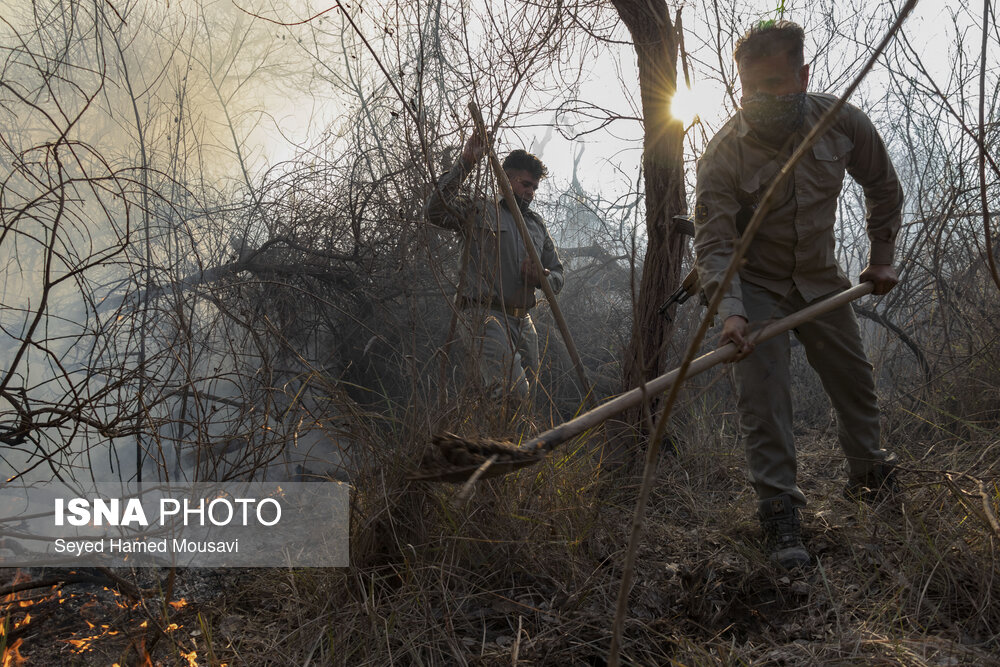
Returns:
<point x="656" y="41"/>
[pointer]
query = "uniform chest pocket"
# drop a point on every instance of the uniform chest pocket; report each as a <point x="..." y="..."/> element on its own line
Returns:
<point x="506" y="237"/>
<point x="511" y="247"/>
<point x="537" y="239"/>
<point x="833" y="148"/>
<point x="831" y="153"/>
<point x="754" y="183"/>
<point x="484" y="226"/>
<point x="510" y="236"/>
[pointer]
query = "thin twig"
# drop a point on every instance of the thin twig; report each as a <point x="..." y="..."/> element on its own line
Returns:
<point x="72" y="578"/>
<point x="987" y="234"/>
<point x="991" y="517"/>
<point x="466" y="490"/>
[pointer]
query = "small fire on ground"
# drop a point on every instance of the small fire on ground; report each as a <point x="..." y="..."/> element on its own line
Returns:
<point x="16" y="603"/>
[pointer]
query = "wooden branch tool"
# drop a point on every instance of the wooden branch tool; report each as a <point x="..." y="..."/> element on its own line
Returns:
<point x="462" y="458"/>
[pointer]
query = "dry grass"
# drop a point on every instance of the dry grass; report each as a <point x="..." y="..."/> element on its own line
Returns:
<point x="527" y="572"/>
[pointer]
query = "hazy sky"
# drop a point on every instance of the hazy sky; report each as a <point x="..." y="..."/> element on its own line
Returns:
<point x="283" y="89"/>
<point x="611" y="156"/>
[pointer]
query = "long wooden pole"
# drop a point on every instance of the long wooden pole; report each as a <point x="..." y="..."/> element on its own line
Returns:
<point x="508" y="194"/>
<point x="534" y="449"/>
<point x="550" y="439"/>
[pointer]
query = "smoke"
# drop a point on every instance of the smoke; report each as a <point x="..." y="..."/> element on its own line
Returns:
<point x="126" y="129"/>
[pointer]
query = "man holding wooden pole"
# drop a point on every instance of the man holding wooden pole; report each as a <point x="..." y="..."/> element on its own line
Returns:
<point x="790" y="263"/>
<point x="497" y="288"/>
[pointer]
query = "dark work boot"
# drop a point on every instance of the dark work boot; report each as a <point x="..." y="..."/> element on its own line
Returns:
<point x="876" y="485"/>
<point x="782" y="531"/>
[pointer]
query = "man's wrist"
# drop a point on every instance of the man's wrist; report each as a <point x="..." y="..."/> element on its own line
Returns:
<point x="881" y="253"/>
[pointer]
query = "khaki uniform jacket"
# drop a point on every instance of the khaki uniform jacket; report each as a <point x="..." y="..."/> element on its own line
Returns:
<point x="795" y="245"/>
<point x="493" y="272"/>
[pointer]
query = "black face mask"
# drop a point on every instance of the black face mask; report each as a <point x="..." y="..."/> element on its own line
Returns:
<point x="774" y="117"/>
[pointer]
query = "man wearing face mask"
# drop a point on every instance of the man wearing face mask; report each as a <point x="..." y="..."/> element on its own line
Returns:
<point x="497" y="288"/>
<point x="791" y="262"/>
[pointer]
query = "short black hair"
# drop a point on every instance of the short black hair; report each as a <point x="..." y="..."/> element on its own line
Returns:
<point x="767" y="38"/>
<point x="522" y="159"/>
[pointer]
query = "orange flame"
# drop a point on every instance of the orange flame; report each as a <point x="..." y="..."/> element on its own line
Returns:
<point x="19" y="578"/>
<point x="12" y="655"/>
<point x="82" y="645"/>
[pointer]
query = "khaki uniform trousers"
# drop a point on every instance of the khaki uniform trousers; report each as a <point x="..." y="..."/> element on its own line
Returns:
<point x="505" y="349"/>
<point x="833" y="347"/>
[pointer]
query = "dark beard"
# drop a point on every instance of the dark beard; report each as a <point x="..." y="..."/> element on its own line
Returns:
<point x="522" y="204"/>
<point x="774" y="117"/>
